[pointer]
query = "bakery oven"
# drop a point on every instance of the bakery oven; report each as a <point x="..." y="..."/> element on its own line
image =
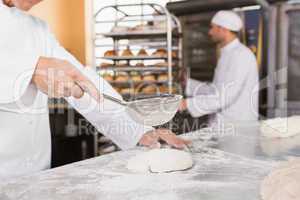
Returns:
<point x="277" y="49"/>
<point x="284" y="68"/>
<point x="200" y="54"/>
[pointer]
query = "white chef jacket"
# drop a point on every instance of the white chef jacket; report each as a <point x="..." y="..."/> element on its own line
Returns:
<point x="25" y="142"/>
<point x="233" y="94"/>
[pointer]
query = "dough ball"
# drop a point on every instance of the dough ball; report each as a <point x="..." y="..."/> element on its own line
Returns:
<point x="160" y="161"/>
<point x="138" y="163"/>
<point x="283" y="183"/>
<point x="281" y="127"/>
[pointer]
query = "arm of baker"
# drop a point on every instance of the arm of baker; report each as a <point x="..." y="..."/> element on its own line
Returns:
<point x="108" y="117"/>
<point x="195" y="87"/>
<point x="225" y="93"/>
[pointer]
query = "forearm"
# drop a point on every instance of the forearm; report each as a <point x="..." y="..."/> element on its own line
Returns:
<point x="108" y="117"/>
<point x="202" y="105"/>
<point x="195" y="87"/>
<point x="111" y="120"/>
<point x="225" y="95"/>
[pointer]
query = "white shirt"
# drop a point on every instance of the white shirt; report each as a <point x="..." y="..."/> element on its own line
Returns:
<point x="232" y="96"/>
<point x="25" y="144"/>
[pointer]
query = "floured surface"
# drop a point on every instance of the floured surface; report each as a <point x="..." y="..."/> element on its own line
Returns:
<point x="281" y="127"/>
<point x="283" y="183"/>
<point x="216" y="175"/>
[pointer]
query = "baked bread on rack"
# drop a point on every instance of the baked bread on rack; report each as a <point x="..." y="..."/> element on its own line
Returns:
<point x="122" y="77"/>
<point x="164" y="53"/>
<point x="142" y="52"/>
<point x="108" y="77"/>
<point x="163" y="89"/>
<point x="106" y="65"/>
<point x="174" y="54"/>
<point x="162" y="77"/>
<point x="150" y="89"/>
<point x="125" y="91"/>
<point x="160" y="53"/>
<point x="161" y="64"/>
<point x="110" y="53"/>
<point x="117" y="89"/>
<point x="136" y="78"/>
<point x="140" y="65"/>
<point x="121" y="65"/>
<point x="149" y="77"/>
<point x="127" y="52"/>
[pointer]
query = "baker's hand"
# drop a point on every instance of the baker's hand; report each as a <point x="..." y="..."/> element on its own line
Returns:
<point x="58" y="78"/>
<point x="9" y="3"/>
<point x="170" y="138"/>
<point x="183" y="105"/>
<point x="151" y="139"/>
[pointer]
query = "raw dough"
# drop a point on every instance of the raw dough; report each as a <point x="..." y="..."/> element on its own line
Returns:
<point x="281" y="127"/>
<point x="283" y="183"/>
<point x="160" y="160"/>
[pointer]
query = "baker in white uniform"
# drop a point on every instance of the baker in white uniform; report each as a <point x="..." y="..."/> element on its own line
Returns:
<point x="33" y="67"/>
<point x="232" y="96"/>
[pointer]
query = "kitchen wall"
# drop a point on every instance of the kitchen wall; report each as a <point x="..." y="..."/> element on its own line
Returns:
<point x="66" y="19"/>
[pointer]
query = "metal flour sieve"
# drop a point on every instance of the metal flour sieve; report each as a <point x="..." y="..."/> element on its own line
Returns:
<point x="151" y="111"/>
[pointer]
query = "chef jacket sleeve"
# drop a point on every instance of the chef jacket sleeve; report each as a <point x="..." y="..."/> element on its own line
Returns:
<point x="107" y="117"/>
<point x="18" y="56"/>
<point x="226" y="92"/>
<point x="195" y="87"/>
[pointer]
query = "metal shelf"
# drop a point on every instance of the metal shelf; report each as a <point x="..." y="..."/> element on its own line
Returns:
<point x="165" y="32"/>
<point x="149" y="45"/>
<point x="130" y="82"/>
<point x="131" y="68"/>
<point x="137" y="34"/>
<point x="130" y="96"/>
<point x="134" y="57"/>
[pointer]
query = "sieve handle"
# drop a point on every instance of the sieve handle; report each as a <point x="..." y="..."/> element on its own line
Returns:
<point x="156" y="96"/>
<point x="114" y="99"/>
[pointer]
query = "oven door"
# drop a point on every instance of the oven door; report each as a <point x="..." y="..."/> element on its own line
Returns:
<point x="288" y="74"/>
<point x="199" y="52"/>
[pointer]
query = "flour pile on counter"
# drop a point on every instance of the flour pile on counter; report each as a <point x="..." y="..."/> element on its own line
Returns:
<point x="283" y="183"/>
<point x="281" y="127"/>
<point x="160" y="160"/>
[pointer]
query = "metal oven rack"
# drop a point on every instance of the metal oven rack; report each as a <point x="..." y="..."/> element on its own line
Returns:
<point x="160" y="30"/>
<point x="168" y="37"/>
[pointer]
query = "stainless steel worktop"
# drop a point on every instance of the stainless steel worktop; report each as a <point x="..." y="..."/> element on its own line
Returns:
<point x="230" y="170"/>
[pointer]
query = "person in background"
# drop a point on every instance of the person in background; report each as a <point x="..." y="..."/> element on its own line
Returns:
<point x="231" y="97"/>
<point x="34" y="67"/>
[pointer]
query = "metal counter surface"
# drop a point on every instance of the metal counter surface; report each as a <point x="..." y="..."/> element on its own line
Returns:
<point x="230" y="170"/>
